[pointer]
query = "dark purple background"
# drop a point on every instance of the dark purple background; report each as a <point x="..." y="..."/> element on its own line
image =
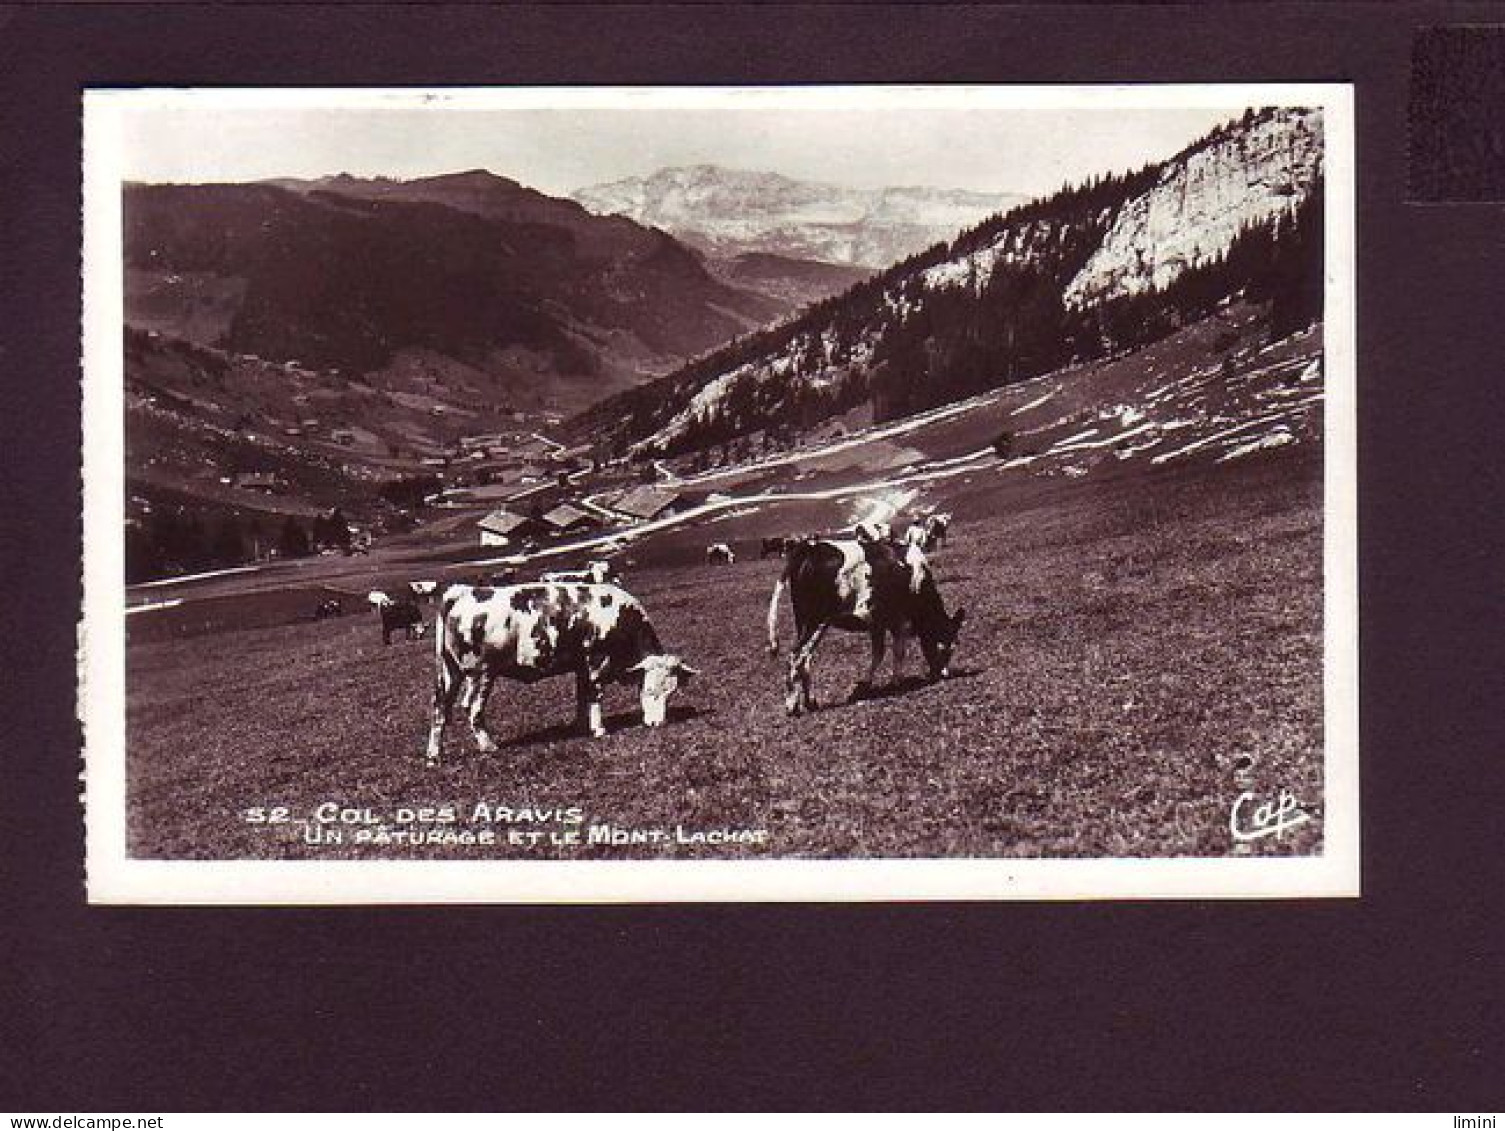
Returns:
<point x="1393" y="1001"/>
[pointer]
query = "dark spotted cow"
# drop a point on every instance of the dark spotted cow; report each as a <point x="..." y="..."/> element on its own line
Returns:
<point x="397" y="613"/>
<point x="873" y="587"/>
<point x="328" y="608"/>
<point x="720" y="552"/>
<point x="598" y="633"/>
<point x="772" y="547"/>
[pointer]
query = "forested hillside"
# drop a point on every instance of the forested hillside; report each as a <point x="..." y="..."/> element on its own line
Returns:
<point x="348" y="274"/>
<point x="1094" y="269"/>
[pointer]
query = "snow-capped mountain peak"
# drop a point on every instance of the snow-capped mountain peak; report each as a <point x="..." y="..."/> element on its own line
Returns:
<point x="734" y="211"/>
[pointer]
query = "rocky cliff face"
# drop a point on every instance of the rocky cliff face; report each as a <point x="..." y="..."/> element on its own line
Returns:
<point x="729" y="212"/>
<point x="1241" y="179"/>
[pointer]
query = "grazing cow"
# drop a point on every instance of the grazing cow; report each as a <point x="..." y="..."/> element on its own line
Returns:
<point x="328" y="608"/>
<point x="423" y="590"/>
<point x="594" y="573"/>
<point x="397" y="613"/>
<point x="872" y="587"/>
<point x="928" y="533"/>
<point x="720" y="552"/>
<point x="774" y="546"/>
<point x="600" y="633"/>
<point x="873" y="531"/>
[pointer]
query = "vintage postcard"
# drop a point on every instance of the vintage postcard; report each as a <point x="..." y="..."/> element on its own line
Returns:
<point x="663" y="494"/>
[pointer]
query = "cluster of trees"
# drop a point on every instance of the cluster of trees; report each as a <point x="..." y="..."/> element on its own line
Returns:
<point x="181" y="541"/>
<point x="411" y="490"/>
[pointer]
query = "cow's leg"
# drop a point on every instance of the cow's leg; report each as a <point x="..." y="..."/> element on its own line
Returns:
<point x="481" y="683"/>
<point x="794" y="701"/>
<point x="446" y="687"/>
<point x="797" y="696"/>
<point x="588" y="686"/>
<point x="865" y="687"/>
<point x="593" y="716"/>
<point x="900" y="639"/>
<point x="582" y="700"/>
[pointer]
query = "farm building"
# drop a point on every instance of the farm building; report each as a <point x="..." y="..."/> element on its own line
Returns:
<point x="567" y="519"/>
<point x="481" y="443"/>
<point x="501" y="527"/>
<point x="646" y="503"/>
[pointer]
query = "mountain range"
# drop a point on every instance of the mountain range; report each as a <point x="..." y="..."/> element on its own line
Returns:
<point x="352" y="274"/>
<point x="729" y="212"/>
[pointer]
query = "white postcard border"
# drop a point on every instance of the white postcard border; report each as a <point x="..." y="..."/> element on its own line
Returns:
<point x="113" y="877"/>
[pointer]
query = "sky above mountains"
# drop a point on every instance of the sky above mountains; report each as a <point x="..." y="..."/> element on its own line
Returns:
<point x="943" y="142"/>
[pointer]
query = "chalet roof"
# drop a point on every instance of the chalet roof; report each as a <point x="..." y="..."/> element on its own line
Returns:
<point x="503" y="521"/>
<point x="566" y="515"/>
<point x="647" y="502"/>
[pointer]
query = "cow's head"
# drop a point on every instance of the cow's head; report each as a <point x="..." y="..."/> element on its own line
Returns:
<point x="938" y="641"/>
<point x="662" y="676"/>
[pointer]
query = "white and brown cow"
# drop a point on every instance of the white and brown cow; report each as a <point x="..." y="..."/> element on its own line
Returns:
<point x="598" y="633"/>
<point x="873" y="587"/>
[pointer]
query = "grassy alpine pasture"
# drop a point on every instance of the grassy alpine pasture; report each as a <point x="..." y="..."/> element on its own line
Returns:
<point x="1137" y="652"/>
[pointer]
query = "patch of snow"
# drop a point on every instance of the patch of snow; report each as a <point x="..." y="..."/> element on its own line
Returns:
<point x="1277" y="437"/>
<point x="1036" y="403"/>
<point x="1073" y="439"/>
<point x="1064" y="447"/>
<point x="153" y="606"/>
<point x="1206" y="441"/>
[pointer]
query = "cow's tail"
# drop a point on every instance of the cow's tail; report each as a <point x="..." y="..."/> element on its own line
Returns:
<point x="446" y="665"/>
<point x="793" y="555"/>
<point x="773" y="612"/>
<point x="446" y="675"/>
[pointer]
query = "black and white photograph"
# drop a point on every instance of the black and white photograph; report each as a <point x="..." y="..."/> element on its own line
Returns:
<point x="599" y="494"/>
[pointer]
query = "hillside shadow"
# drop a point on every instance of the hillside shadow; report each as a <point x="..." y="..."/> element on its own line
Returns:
<point x="616" y="722"/>
<point x="907" y="685"/>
